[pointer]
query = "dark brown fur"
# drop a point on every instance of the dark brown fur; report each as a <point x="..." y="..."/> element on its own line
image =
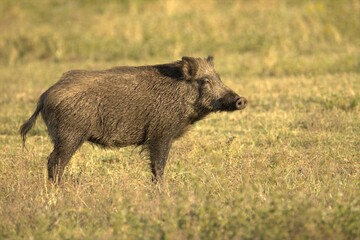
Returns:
<point x="122" y="106"/>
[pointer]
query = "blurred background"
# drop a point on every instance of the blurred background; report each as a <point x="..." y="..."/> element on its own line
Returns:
<point x="263" y="37"/>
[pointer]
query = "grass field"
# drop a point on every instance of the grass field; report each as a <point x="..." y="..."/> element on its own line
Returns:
<point x="287" y="167"/>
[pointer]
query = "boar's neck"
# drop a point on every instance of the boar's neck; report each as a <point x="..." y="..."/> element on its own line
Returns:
<point x="197" y="114"/>
<point x="179" y="96"/>
<point x="187" y="93"/>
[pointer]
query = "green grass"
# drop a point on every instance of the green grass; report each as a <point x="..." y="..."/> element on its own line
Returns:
<point x="287" y="167"/>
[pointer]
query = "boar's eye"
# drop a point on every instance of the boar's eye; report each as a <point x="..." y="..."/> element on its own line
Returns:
<point x="206" y="80"/>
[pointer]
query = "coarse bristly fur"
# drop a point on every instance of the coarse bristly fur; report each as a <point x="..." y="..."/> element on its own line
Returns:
<point x="122" y="106"/>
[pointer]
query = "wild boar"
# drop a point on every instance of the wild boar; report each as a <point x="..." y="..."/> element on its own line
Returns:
<point x="142" y="105"/>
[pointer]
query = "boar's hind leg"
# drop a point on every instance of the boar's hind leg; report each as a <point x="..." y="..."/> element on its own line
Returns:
<point x="159" y="152"/>
<point x="60" y="157"/>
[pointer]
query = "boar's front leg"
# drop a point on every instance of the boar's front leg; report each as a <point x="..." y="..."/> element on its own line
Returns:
<point x="159" y="152"/>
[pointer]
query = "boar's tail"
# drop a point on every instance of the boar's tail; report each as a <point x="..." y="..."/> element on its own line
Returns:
<point x="30" y="122"/>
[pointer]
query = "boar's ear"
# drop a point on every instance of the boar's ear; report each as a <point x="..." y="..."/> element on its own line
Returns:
<point x="189" y="67"/>
<point x="210" y="60"/>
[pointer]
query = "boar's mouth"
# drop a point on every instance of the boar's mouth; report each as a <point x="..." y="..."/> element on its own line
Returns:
<point x="230" y="104"/>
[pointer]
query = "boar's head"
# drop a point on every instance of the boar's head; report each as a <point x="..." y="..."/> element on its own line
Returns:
<point x="214" y="95"/>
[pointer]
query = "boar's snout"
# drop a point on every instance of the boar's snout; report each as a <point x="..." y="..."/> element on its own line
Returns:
<point x="231" y="102"/>
<point x="241" y="103"/>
